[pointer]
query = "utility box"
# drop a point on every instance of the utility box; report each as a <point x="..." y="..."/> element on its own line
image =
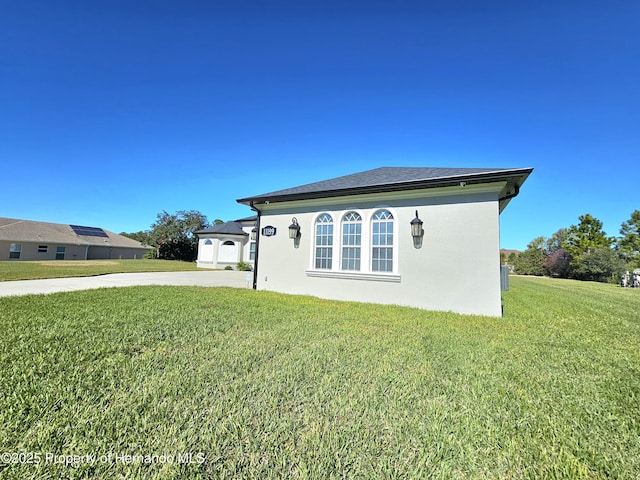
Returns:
<point x="504" y="278"/>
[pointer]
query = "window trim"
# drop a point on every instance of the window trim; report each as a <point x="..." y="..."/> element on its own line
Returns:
<point x="356" y="235"/>
<point x="393" y="245"/>
<point x="366" y="271"/>
<point x="331" y="247"/>
<point x="351" y="275"/>
<point x="15" y="248"/>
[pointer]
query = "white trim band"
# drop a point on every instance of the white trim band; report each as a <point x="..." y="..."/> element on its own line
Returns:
<point x="375" y="277"/>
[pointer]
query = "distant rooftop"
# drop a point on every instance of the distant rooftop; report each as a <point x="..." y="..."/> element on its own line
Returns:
<point x="13" y="229"/>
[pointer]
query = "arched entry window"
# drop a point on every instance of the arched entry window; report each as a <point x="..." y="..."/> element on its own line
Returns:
<point x="228" y="252"/>
<point x="206" y="252"/>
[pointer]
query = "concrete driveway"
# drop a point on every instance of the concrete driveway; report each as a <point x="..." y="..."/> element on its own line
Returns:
<point x="222" y="278"/>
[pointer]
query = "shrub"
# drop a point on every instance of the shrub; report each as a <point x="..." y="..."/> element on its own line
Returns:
<point x="557" y="263"/>
<point x="243" y="267"/>
<point x="600" y="265"/>
<point x="529" y="262"/>
<point x="182" y="249"/>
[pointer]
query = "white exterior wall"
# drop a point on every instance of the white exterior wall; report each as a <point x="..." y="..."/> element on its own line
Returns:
<point x="30" y="251"/>
<point x="102" y="253"/>
<point x="207" y="252"/>
<point x="456" y="269"/>
<point x="218" y="255"/>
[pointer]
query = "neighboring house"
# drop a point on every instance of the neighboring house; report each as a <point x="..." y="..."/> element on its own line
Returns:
<point x="421" y="237"/>
<point x="28" y="240"/>
<point x="227" y="244"/>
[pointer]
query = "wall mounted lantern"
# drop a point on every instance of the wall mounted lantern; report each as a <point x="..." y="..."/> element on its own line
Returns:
<point x="294" y="232"/>
<point x="294" y="229"/>
<point x="416" y="231"/>
<point x="416" y="227"/>
<point x="254" y="233"/>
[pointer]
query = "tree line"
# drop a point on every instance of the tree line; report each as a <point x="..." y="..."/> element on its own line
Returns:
<point x="582" y="252"/>
<point x="172" y="236"/>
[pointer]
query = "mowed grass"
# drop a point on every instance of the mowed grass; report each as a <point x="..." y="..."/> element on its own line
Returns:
<point x="32" y="270"/>
<point x="264" y="385"/>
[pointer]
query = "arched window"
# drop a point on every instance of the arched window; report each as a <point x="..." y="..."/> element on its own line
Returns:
<point x="228" y="252"/>
<point x="351" y="241"/>
<point x="208" y="242"/>
<point x="323" y="258"/>
<point x="382" y="242"/>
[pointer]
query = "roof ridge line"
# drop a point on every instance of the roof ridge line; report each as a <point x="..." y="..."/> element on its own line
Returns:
<point x="12" y="223"/>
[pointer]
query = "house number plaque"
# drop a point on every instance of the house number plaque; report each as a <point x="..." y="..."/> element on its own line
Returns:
<point x="269" y="231"/>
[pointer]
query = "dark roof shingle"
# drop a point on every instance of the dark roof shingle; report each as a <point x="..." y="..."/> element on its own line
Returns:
<point x="13" y="229"/>
<point x="391" y="179"/>
<point x="227" y="228"/>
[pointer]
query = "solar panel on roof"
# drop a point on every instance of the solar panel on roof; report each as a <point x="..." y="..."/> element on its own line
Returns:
<point x="88" y="231"/>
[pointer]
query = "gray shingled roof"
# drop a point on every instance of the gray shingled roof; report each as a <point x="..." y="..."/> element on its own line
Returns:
<point x="227" y="228"/>
<point x="392" y="179"/>
<point x="252" y="218"/>
<point x="16" y="230"/>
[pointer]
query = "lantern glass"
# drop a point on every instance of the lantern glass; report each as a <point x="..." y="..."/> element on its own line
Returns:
<point x="416" y="226"/>
<point x="294" y="229"/>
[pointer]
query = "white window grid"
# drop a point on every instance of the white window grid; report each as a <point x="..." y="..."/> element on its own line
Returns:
<point x="351" y="241"/>
<point x="366" y="241"/>
<point x="382" y="241"/>
<point x="323" y="258"/>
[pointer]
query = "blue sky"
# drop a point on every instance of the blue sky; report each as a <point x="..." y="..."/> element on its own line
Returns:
<point x="112" y="111"/>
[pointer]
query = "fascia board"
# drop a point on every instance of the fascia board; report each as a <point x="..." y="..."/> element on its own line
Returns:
<point x="496" y="188"/>
<point x="219" y="234"/>
<point x="474" y="178"/>
<point x="49" y="241"/>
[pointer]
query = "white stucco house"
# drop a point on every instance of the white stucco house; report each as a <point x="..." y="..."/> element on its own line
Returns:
<point x="227" y="244"/>
<point x="421" y="237"/>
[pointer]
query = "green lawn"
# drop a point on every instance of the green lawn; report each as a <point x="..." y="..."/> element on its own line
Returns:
<point x="264" y="385"/>
<point x="85" y="268"/>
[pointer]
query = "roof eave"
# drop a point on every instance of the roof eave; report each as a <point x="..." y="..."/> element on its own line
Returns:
<point x="513" y="177"/>
<point x="206" y="232"/>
